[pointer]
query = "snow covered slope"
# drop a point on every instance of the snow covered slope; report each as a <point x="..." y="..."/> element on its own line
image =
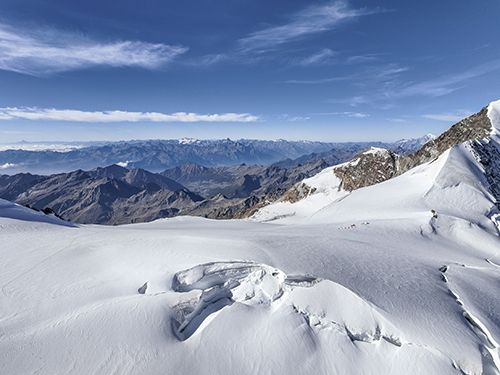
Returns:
<point x="311" y="195"/>
<point x="370" y="282"/>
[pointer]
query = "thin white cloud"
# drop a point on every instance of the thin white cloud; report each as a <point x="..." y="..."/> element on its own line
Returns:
<point x="309" y="21"/>
<point x="448" y="117"/>
<point x="376" y="74"/>
<point x="322" y="57"/>
<point x="72" y="115"/>
<point x="41" y="52"/>
<point x="397" y="119"/>
<point x="360" y="59"/>
<point x="291" y="118"/>
<point x="7" y="166"/>
<point x="387" y="87"/>
<point x="319" y="81"/>
<point x="345" y="114"/>
<point x="390" y="71"/>
<point x="444" y="85"/>
<point x="352" y="101"/>
<point x="211" y="59"/>
<point x="355" y="114"/>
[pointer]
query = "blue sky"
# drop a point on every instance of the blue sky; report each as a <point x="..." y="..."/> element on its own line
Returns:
<point x="318" y="70"/>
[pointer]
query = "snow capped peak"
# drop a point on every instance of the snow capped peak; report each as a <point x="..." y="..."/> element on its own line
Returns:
<point x="406" y="146"/>
<point x="376" y="150"/>
<point x="123" y="164"/>
<point x="188" y="141"/>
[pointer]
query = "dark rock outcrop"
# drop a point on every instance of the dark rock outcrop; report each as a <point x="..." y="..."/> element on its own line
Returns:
<point x="368" y="168"/>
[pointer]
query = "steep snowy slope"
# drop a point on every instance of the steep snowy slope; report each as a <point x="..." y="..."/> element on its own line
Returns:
<point x="370" y="282"/>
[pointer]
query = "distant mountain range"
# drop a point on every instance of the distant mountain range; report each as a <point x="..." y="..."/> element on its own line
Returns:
<point x="158" y="155"/>
<point x="116" y="194"/>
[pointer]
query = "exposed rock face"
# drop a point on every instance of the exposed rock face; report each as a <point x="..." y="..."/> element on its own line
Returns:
<point x="368" y="168"/>
<point x="297" y="192"/>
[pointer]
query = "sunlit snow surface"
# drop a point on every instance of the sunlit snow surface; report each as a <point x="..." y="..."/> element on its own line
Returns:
<point x="366" y="283"/>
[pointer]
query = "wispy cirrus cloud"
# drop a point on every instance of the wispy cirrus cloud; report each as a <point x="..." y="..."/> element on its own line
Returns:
<point x="321" y="57"/>
<point x="293" y="118"/>
<point x="397" y="119"/>
<point x="269" y="43"/>
<point x="352" y="101"/>
<point x="344" y="114"/>
<point x="379" y="73"/>
<point x="73" y="115"/>
<point x="448" y="117"/>
<point x="46" y="51"/>
<point x="312" y="20"/>
<point x="443" y="85"/>
<point x="353" y="114"/>
<point x="383" y="89"/>
<point x="212" y="59"/>
<point x="360" y="59"/>
<point x="319" y="81"/>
